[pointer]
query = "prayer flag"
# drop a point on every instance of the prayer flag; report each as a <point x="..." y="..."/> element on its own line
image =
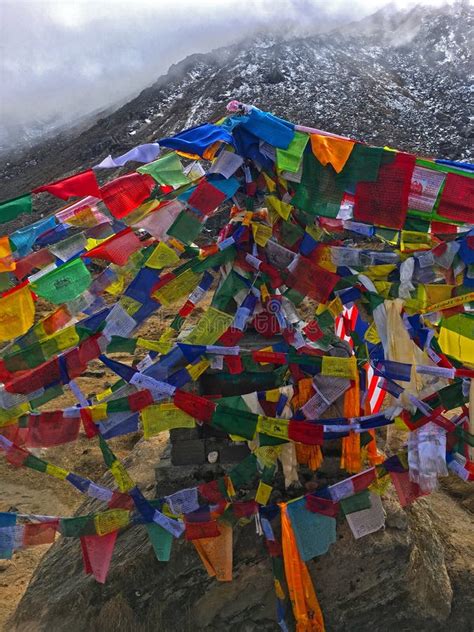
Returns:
<point x="78" y="185"/>
<point x="11" y="209"/>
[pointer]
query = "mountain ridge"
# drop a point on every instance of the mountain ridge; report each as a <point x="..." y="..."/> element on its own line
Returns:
<point x="412" y="94"/>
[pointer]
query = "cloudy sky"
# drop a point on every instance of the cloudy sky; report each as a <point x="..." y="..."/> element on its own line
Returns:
<point x="68" y="57"/>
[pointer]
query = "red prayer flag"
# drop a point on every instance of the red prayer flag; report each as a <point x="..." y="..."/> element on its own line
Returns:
<point x="123" y="195"/>
<point x="311" y="280"/>
<point x="117" y="249"/>
<point x="205" y="198"/>
<point x="198" y="530"/>
<point x="363" y="480"/>
<point x="16" y="456"/>
<point x="196" y="406"/>
<point x="38" y="259"/>
<point x="324" y="506"/>
<point x="80" y="185"/>
<point x="245" y="508"/>
<point x="457" y="198"/>
<point x="50" y="429"/>
<point x="139" y="400"/>
<point x="407" y="490"/>
<point x="97" y="553"/>
<point x="230" y="337"/>
<point x="306" y="432"/>
<point x="41" y="533"/>
<point x="211" y="492"/>
<point x="234" y="364"/>
<point x="385" y="202"/>
<point x="90" y="428"/>
<point x="26" y="382"/>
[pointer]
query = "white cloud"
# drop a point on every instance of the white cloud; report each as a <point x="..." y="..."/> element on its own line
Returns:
<point x="73" y="56"/>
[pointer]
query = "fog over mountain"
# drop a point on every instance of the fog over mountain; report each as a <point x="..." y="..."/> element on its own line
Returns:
<point x="401" y="77"/>
<point x="65" y="60"/>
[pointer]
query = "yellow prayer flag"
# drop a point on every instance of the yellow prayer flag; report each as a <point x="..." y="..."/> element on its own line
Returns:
<point x="278" y="206"/>
<point x="273" y="427"/>
<point x="7" y="263"/>
<point x="160" y="417"/>
<point x="162" y="257"/>
<point x="261" y="233"/>
<point x="263" y="493"/>
<point x="99" y="412"/>
<point x="111" y="520"/>
<point x="57" y="472"/>
<point x="210" y="327"/>
<point x="177" y="288"/>
<point x="339" y="367"/>
<point x="196" y="370"/>
<point x="121" y="476"/>
<point x="17" y="313"/>
<point x="372" y="335"/>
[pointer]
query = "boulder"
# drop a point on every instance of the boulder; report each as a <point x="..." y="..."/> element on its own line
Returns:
<point x="412" y="575"/>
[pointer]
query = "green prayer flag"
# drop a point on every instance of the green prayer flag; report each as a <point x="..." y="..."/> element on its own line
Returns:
<point x="161" y="541"/>
<point x="76" y="527"/>
<point x="217" y="259"/>
<point x="290" y="233"/>
<point x="232" y="284"/>
<point x="64" y="283"/>
<point x="416" y="224"/>
<point x="47" y="396"/>
<point x="244" y="472"/>
<point x="35" y="464"/>
<point x="318" y="192"/>
<point x="289" y="159"/>
<point x="167" y="170"/>
<point x="11" y="209"/>
<point x="242" y="424"/>
<point x="108" y="455"/>
<point x="120" y="405"/>
<point x="451" y="396"/>
<point x="186" y="227"/>
<point x="124" y="345"/>
<point x="362" y="166"/>
<point x="358" y="502"/>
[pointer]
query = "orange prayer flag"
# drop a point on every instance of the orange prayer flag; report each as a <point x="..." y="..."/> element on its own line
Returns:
<point x="306" y="608"/>
<point x="350" y="456"/>
<point x="335" y="151"/>
<point x="216" y="553"/>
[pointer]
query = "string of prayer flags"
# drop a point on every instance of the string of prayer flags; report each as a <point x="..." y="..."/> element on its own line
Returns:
<point x="304" y="313"/>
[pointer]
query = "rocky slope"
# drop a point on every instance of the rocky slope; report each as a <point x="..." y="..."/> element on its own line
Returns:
<point x="396" y="78"/>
